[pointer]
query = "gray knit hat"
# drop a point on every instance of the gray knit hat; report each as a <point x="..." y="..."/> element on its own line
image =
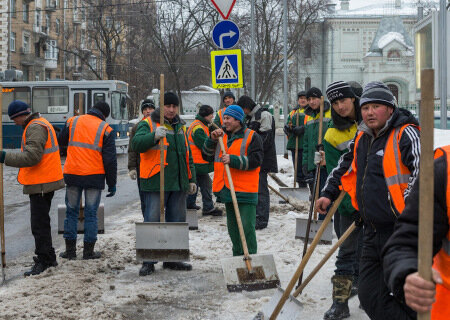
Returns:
<point x="339" y="90"/>
<point x="377" y="92"/>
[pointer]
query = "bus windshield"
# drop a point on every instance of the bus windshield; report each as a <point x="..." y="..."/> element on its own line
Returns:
<point x="119" y="106"/>
<point x="16" y="93"/>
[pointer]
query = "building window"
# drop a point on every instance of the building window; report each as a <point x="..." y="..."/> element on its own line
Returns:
<point x="93" y="62"/>
<point x="308" y="49"/>
<point x="393" y="54"/>
<point x="13" y="8"/>
<point x="74" y="32"/>
<point x="26" y="43"/>
<point x="12" y="43"/>
<point x="52" y="50"/>
<point x="38" y="17"/>
<point x="47" y="22"/>
<point x="307" y="83"/>
<point x="57" y="23"/>
<point x="394" y="90"/>
<point x="26" y="13"/>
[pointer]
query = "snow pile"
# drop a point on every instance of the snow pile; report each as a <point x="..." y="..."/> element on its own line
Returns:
<point x="389" y="37"/>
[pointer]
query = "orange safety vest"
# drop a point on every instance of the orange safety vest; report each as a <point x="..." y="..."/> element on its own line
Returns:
<point x="441" y="308"/>
<point x="150" y="160"/>
<point x="196" y="151"/>
<point x="84" y="151"/>
<point x="396" y="174"/>
<point x="243" y="180"/>
<point x="220" y="113"/>
<point x="49" y="168"/>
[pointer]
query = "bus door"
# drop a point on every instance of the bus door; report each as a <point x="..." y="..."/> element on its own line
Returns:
<point x="79" y="99"/>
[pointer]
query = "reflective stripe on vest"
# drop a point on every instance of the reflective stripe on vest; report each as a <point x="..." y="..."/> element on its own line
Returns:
<point x="220" y="113"/>
<point x="150" y="160"/>
<point x="244" y="180"/>
<point x="196" y="151"/>
<point x="49" y="167"/>
<point x="84" y="150"/>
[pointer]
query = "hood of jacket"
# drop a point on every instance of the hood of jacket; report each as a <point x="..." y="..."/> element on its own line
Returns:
<point x="97" y="113"/>
<point x="176" y="120"/>
<point x="312" y="113"/>
<point x="32" y="116"/>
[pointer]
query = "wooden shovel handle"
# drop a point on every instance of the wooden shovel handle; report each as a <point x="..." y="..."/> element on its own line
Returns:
<point x="308" y="254"/>
<point x="319" y="142"/>
<point x="278" y="193"/>
<point x="236" y="210"/>
<point x="2" y="208"/>
<point x="161" y="148"/>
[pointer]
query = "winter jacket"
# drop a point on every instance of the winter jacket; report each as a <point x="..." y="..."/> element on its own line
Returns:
<point x="312" y="133"/>
<point x="262" y="121"/>
<point x="400" y="252"/>
<point x="255" y="155"/>
<point x="199" y="136"/>
<point x="133" y="156"/>
<point x="335" y="143"/>
<point x="291" y="122"/>
<point x="109" y="158"/>
<point x="175" y="172"/>
<point x="372" y="196"/>
<point x="36" y="138"/>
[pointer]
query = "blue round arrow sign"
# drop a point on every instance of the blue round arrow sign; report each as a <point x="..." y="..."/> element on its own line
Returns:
<point x="225" y="34"/>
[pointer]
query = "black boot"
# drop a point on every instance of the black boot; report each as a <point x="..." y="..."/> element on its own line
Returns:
<point x="88" y="251"/>
<point x="39" y="267"/>
<point x="177" y="266"/>
<point x="213" y="212"/>
<point x="71" y="250"/>
<point x="342" y="286"/>
<point x="146" y="269"/>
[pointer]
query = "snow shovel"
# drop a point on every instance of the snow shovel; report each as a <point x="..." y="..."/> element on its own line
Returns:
<point x="162" y="241"/>
<point x="250" y="273"/>
<point x="286" y="199"/>
<point x="2" y="207"/>
<point x="307" y="227"/>
<point x="282" y="297"/>
<point x="301" y="193"/>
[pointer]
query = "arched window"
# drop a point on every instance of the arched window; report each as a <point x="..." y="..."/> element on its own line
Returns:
<point x="307" y="83"/>
<point x="393" y="54"/>
<point x="394" y="90"/>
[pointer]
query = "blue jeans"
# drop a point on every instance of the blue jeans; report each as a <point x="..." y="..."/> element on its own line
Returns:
<point x="174" y="203"/>
<point x="92" y="201"/>
<point x="204" y="183"/>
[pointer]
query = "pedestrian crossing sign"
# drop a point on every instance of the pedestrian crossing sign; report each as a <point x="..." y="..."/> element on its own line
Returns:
<point x="226" y="67"/>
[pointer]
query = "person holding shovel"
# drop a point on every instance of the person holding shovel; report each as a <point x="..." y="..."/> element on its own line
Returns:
<point x="385" y="165"/>
<point x="197" y="133"/>
<point x="40" y="174"/>
<point x="147" y="107"/>
<point x="228" y="99"/>
<point x="261" y="120"/>
<point x="244" y="155"/>
<point x="179" y="170"/>
<point x="295" y="129"/>
<point x="345" y="115"/>
<point x="400" y="254"/>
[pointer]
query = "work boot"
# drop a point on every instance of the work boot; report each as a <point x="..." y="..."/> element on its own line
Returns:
<point x="89" y="253"/>
<point x="177" y="266"/>
<point x="146" y="269"/>
<point x="39" y="267"/>
<point x="342" y="286"/>
<point x="71" y="250"/>
<point x="216" y="212"/>
<point x="195" y="207"/>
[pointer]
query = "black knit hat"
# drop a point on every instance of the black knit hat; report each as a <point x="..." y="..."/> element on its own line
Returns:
<point x="228" y="94"/>
<point x="103" y="107"/>
<point x="339" y="90"/>
<point x="171" y="98"/>
<point x="147" y="103"/>
<point x="245" y="102"/>
<point x="314" y="93"/>
<point x="18" y="108"/>
<point x="377" y="92"/>
<point x="356" y="87"/>
<point x="301" y="94"/>
<point x="205" y="110"/>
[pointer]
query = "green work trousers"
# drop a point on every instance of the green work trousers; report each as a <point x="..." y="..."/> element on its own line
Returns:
<point x="248" y="217"/>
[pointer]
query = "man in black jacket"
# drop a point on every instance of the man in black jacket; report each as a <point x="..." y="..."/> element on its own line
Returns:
<point x="261" y="120"/>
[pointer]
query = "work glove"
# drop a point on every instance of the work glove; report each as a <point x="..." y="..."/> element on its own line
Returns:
<point x="298" y="131"/>
<point x="287" y="130"/>
<point x="160" y="132"/>
<point x="192" y="188"/>
<point x="357" y="219"/>
<point x="132" y="174"/>
<point x="319" y="157"/>
<point x="112" y="191"/>
<point x="2" y="156"/>
<point x="254" y="125"/>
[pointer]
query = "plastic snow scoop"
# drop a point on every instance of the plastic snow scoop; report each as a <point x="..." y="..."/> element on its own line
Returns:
<point x="162" y="241"/>
<point x="282" y="298"/>
<point x="249" y="273"/>
<point x="2" y="207"/>
<point x="289" y="200"/>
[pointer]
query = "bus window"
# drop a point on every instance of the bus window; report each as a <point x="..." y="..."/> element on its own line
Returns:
<point x="78" y="104"/>
<point x="50" y="100"/>
<point x="17" y="93"/>
<point x="99" y="97"/>
<point x="119" y="106"/>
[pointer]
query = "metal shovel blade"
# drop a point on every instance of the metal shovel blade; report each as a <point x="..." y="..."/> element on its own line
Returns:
<point x="291" y="309"/>
<point x="301" y="226"/>
<point x="237" y="277"/>
<point x="298" y="193"/>
<point x="156" y="241"/>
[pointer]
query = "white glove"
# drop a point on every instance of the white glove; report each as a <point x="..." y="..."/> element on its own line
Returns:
<point x="192" y="188"/>
<point x="318" y="158"/>
<point x="160" y="132"/>
<point x="132" y="174"/>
